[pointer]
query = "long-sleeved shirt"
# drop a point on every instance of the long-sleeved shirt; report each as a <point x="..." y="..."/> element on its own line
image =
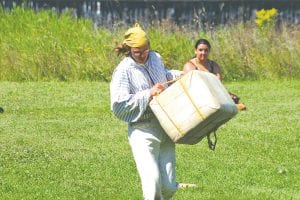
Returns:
<point x="131" y="83"/>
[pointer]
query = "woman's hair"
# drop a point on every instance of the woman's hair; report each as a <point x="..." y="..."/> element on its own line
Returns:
<point x="202" y="41"/>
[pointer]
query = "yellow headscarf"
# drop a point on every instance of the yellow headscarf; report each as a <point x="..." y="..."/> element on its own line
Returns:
<point x="135" y="37"/>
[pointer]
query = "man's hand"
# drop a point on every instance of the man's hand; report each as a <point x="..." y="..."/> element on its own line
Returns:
<point x="157" y="89"/>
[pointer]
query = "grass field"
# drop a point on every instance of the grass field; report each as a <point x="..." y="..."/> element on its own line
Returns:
<point x="58" y="140"/>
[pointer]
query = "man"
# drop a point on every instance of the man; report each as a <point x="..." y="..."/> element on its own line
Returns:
<point x="138" y="77"/>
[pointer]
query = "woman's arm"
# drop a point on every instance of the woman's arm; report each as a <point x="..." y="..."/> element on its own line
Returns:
<point x="188" y="67"/>
<point x="217" y="70"/>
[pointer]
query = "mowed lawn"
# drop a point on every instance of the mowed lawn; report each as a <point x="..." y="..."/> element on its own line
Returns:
<point x="59" y="140"/>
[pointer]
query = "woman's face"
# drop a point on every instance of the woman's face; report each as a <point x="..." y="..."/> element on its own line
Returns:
<point x="140" y="54"/>
<point x="202" y="52"/>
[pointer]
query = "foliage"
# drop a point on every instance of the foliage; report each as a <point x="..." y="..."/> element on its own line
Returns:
<point x="266" y="17"/>
<point x="266" y="22"/>
<point x="45" y="46"/>
<point x="42" y="46"/>
<point x="60" y="141"/>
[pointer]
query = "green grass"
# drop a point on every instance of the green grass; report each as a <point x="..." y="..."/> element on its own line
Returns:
<point x="60" y="141"/>
<point x="42" y="46"/>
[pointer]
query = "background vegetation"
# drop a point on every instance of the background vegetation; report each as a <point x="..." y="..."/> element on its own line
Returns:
<point x="41" y="46"/>
<point x="60" y="141"/>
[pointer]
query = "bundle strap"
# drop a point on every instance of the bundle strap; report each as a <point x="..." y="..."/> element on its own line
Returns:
<point x="212" y="144"/>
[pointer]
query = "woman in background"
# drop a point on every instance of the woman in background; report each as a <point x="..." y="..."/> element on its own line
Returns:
<point x="203" y="63"/>
<point x="201" y="60"/>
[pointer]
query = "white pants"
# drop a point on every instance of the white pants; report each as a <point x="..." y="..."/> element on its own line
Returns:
<point x="154" y="155"/>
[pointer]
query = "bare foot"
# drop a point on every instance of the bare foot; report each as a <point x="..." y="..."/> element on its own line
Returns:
<point x="241" y="106"/>
<point x="187" y="185"/>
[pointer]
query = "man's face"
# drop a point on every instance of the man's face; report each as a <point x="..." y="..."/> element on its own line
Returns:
<point x="140" y="54"/>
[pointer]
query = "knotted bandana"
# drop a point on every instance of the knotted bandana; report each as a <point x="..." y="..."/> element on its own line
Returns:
<point x="135" y="37"/>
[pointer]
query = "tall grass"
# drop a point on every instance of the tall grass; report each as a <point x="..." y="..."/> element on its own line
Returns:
<point x="44" y="46"/>
<point x="39" y="46"/>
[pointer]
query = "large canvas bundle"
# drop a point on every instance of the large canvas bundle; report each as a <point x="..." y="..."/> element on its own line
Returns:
<point x="193" y="107"/>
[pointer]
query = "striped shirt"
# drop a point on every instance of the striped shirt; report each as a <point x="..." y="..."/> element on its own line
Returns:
<point x="131" y="83"/>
